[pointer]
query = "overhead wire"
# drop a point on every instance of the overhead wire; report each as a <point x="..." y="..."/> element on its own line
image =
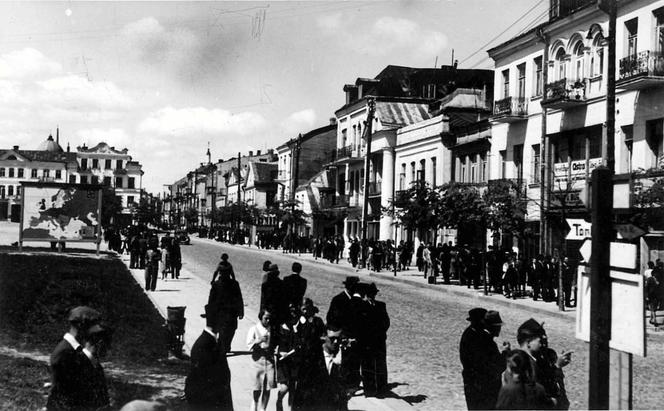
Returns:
<point x="495" y="38"/>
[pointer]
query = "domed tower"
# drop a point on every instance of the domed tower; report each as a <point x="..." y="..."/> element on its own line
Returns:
<point x="51" y="145"/>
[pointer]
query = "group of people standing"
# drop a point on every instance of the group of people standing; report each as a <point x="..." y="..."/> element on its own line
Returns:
<point x="147" y="252"/>
<point x="528" y="377"/>
<point x="316" y="364"/>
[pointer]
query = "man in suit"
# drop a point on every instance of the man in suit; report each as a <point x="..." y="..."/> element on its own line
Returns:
<point x="208" y="385"/>
<point x="93" y="389"/>
<point x="346" y="313"/>
<point x="295" y="286"/>
<point x="374" y="361"/>
<point x="272" y="295"/>
<point x="473" y="360"/>
<point x="340" y="311"/>
<point x="322" y="381"/>
<point x="68" y="361"/>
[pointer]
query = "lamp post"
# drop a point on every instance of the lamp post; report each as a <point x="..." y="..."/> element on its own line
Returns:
<point x="371" y="106"/>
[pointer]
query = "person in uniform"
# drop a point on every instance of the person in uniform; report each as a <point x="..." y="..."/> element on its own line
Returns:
<point x="295" y="286"/>
<point x="208" y="384"/>
<point x="68" y="361"/>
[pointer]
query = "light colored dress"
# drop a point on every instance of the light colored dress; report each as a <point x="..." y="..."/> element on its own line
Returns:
<point x="263" y="356"/>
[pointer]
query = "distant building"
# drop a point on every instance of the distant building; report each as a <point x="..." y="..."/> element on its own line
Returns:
<point x="103" y="164"/>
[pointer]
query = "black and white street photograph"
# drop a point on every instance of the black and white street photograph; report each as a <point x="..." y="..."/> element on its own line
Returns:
<point x="318" y="205"/>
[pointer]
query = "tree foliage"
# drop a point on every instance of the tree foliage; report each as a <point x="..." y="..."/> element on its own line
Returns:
<point x="111" y="205"/>
<point x="648" y="199"/>
<point x="146" y="212"/>
<point x="505" y="207"/>
<point x="414" y="207"/>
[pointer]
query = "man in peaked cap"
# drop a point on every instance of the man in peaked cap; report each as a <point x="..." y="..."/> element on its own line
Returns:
<point x="473" y="355"/>
<point x="67" y="360"/>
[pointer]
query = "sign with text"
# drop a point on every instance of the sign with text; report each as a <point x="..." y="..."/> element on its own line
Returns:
<point x="579" y="229"/>
<point x="574" y="172"/>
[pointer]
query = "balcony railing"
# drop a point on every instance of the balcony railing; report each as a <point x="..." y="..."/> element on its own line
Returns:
<point x="510" y="109"/>
<point x="641" y="70"/>
<point x="347" y="152"/>
<point x="564" y="93"/>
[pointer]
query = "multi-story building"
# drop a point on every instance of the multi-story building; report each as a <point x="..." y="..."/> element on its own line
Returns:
<point x="48" y="163"/>
<point x="402" y="97"/>
<point x="309" y="150"/>
<point x="548" y="123"/>
<point x="104" y="164"/>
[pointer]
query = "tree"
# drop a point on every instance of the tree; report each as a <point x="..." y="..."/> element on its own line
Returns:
<point x="146" y="212"/>
<point x="459" y="204"/>
<point x="413" y="208"/>
<point x="111" y="205"/>
<point x="648" y="200"/>
<point x="505" y="207"/>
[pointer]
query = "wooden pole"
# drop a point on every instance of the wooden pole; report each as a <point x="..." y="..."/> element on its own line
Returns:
<point x="371" y="104"/>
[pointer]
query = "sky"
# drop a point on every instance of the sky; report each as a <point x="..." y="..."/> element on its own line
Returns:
<point x="165" y="79"/>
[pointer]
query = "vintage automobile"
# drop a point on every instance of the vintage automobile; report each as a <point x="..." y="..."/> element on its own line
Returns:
<point x="183" y="237"/>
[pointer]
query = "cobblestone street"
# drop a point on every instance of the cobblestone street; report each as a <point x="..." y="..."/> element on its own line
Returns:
<point x="423" y="356"/>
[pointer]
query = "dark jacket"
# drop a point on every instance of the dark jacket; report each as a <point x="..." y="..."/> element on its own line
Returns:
<point x="319" y="390"/>
<point x="523" y="396"/>
<point x="295" y="287"/>
<point x="341" y="311"/>
<point x="482" y="368"/>
<point x="272" y="296"/>
<point x="66" y="366"/>
<point x="378" y="323"/>
<point x="208" y="385"/>
<point x="225" y="299"/>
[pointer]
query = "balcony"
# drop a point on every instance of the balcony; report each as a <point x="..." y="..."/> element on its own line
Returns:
<point x="283" y="175"/>
<point x="510" y="109"/>
<point x="564" y="93"/>
<point x="345" y="153"/>
<point x="640" y="71"/>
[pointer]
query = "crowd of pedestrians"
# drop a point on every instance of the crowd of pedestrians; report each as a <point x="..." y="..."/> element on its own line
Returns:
<point x="529" y="377"/>
<point x="315" y="364"/>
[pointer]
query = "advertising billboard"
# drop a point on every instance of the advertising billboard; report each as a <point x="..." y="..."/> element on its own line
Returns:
<point x="60" y="212"/>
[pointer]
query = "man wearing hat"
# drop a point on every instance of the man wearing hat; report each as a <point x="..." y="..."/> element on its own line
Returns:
<point x="272" y="295"/>
<point x="208" y="385"/>
<point x="472" y="352"/>
<point x="374" y="363"/>
<point x="67" y="361"/>
<point x="532" y="339"/>
<point x="494" y="362"/>
<point x="295" y="286"/>
<point x="345" y="313"/>
<point x="93" y="391"/>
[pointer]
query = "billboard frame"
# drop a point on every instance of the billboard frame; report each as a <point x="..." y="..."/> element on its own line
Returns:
<point x="40" y="184"/>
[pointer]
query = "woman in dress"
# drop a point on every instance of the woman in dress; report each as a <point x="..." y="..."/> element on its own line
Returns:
<point x="259" y="341"/>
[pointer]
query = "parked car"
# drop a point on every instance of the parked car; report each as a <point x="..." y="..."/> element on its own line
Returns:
<point x="183" y="237"/>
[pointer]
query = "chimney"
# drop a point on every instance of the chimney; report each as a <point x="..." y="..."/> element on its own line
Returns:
<point x="258" y="152"/>
<point x="251" y="153"/>
<point x="333" y="121"/>
<point x="57" y="135"/>
<point x="15" y="148"/>
<point x="68" y="146"/>
<point x="456" y="63"/>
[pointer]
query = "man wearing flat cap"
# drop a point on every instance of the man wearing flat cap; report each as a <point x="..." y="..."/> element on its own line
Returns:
<point x="67" y="361"/>
<point x="295" y="286"/>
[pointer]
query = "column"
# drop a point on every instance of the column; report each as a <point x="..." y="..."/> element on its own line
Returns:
<point x="387" y="190"/>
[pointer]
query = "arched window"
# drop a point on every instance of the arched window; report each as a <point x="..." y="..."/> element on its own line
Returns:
<point x="560" y="68"/>
<point x="597" y="57"/>
<point x="579" y="57"/>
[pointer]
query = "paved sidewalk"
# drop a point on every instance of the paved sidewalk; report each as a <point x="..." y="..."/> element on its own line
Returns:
<point x="192" y="292"/>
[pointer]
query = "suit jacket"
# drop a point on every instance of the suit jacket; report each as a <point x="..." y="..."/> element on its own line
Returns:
<point x="208" y="385"/>
<point x="272" y="295"/>
<point x="319" y="390"/>
<point x="94" y="391"/>
<point x="378" y="323"/>
<point x="66" y="366"/>
<point x="341" y="310"/>
<point x="295" y="287"/>
<point x="225" y="299"/>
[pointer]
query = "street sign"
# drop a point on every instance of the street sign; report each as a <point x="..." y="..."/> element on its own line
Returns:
<point x="629" y="231"/>
<point x="586" y="250"/>
<point x="579" y="229"/>
<point x="622" y="255"/>
<point x="627" y="308"/>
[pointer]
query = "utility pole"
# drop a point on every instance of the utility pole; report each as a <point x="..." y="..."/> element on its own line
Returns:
<point x="371" y="105"/>
<point x="294" y="184"/>
<point x="239" y="208"/>
<point x="602" y="234"/>
<point x="544" y="149"/>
